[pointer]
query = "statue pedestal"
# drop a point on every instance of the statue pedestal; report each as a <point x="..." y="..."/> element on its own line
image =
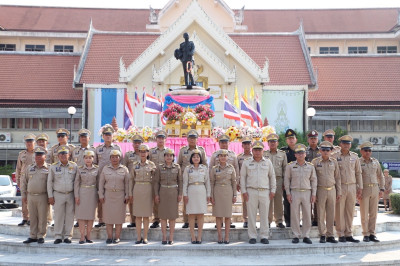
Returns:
<point x="190" y="90"/>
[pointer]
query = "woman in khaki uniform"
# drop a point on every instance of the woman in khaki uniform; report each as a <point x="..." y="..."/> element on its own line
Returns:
<point x="168" y="193"/>
<point x="86" y="197"/>
<point x="114" y="195"/>
<point x="223" y="193"/>
<point x="196" y="193"/>
<point x="388" y="189"/>
<point x="140" y="192"/>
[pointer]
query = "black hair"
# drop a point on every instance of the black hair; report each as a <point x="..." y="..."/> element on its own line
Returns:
<point x="191" y="156"/>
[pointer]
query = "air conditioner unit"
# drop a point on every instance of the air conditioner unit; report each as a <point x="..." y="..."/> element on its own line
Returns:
<point x="376" y="140"/>
<point x="74" y="137"/>
<point x="393" y="140"/>
<point x="357" y="141"/>
<point x="5" y="137"/>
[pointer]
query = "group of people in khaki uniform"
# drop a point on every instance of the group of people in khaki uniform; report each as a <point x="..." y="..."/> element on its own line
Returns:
<point x="319" y="185"/>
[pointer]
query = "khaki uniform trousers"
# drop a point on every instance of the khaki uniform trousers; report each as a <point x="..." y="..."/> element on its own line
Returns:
<point x="276" y="204"/>
<point x="49" y="213"/>
<point x="37" y="205"/>
<point x="301" y="200"/>
<point x="64" y="211"/>
<point x="345" y="210"/>
<point x="369" y="209"/>
<point x="25" y="211"/>
<point x="326" y="202"/>
<point x="258" y="200"/>
<point x="244" y="209"/>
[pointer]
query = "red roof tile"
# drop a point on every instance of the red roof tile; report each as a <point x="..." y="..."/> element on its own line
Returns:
<point x="354" y="80"/>
<point x="63" y="19"/>
<point x="287" y="65"/>
<point x="31" y="79"/>
<point x="322" y="20"/>
<point x="102" y="63"/>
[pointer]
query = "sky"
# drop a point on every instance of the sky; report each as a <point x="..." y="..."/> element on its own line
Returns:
<point x="235" y="4"/>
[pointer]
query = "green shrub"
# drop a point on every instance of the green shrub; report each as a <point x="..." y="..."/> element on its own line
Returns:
<point x="7" y="170"/>
<point x="395" y="199"/>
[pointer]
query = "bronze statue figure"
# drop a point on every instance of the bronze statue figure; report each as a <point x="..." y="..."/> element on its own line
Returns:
<point x="185" y="54"/>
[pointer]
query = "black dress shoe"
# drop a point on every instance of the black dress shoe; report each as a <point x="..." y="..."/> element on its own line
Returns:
<point x="220" y="242"/>
<point x="57" y="241"/>
<point x="144" y="241"/>
<point x="40" y="240"/>
<point x="185" y="225"/>
<point x="351" y="239"/>
<point x="170" y="242"/>
<point x="366" y="239"/>
<point x="198" y="241"/>
<point x="81" y="242"/>
<point x="193" y="241"/>
<point x="155" y="225"/>
<point x="109" y="241"/>
<point x="131" y="225"/>
<point x="331" y="239"/>
<point x="233" y="226"/>
<point x="245" y="225"/>
<point x="164" y="242"/>
<point x="253" y="241"/>
<point x="30" y="240"/>
<point x="24" y="222"/>
<point x="373" y="238"/>
<point x="307" y="240"/>
<point x="342" y="239"/>
<point x="295" y="240"/>
<point x="322" y="239"/>
<point x="280" y="225"/>
<point x="116" y="241"/>
<point x="287" y="224"/>
<point x="139" y="241"/>
<point x="68" y="241"/>
<point x="88" y="240"/>
<point x="226" y="242"/>
<point x="28" y="222"/>
<point x="196" y="226"/>
<point x="76" y="224"/>
<point x="100" y="225"/>
<point x="314" y="223"/>
<point x="222" y="225"/>
<point x="264" y="241"/>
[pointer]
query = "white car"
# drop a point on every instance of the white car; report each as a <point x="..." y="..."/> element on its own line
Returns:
<point x="7" y="188"/>
<point x="396" y="185"/>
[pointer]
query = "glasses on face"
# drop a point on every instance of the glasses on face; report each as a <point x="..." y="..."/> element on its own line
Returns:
<point x="322" y="149"/>
<point x="329" y="137"/>
<point x="61" y="136"/>
<point x="367" y="150"/>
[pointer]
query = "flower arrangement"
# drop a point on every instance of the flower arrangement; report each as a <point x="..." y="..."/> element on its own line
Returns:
<point x="102" y="129"/>
<point x="173" y="112"/>
<point x="203" y="112"/>
<point x="147" y="133"/>
<point x="257" y="133"/>
<point x="132" y="131"/>
<point x="217" y="131"/>
<point x="233" y="133"/>
<point x="189" y="118"/>
<point x="120" y="135"/>
<point x="246" y="131"/>
<point x="266" y="131"/>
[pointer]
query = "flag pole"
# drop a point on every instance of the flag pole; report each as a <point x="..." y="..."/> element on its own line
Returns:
<point x="135" y="105"/>
<point x="144" y="103"/>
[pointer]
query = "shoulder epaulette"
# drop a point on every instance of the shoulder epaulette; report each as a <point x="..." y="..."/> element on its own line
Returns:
<point x="135" y="162"/>
<point x="334" y="159"/>
<point x="183" y="147"/>
<point x="309" y="163"/>
<point x="291" y="162"/>
<point x="73" y="162"/>
<point x="22" y="151"/>
<point x="200" y="148"/>
<point x="54" y="163"/>
<point x="81" y="166"/>
<point x="215" y="166"/>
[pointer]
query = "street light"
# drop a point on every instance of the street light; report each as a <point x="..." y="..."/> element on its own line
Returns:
<point x="71" y="112"/>
<point x="310" y="112"/>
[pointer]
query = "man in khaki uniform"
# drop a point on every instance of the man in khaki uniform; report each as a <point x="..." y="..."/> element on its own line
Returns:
<point x="103" y="159"/>
<point x="301" y="189"/>
<point x="223" y="142"/>
<point x="329" y="135"/>
<point x="312" y="152"/>
<point x="328" y="191"/>
<point x="34" y="184"/>
<point x="373" y="188"/>
<point x="258" y="185"/>
<point x="156" y="155"/>
<point x="246" y="145"/>
<point x="351" y="182"/>
<point x="25" y="158"/>
<point x="129" y="159"/>
<point x="184" y="160"/>
<point x="279" y="161"/>
<point x="62" y="137"/>
<point x="60" y="190"/>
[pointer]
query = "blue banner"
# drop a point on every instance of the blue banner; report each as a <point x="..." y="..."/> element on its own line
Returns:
<point x="169" y="100"/>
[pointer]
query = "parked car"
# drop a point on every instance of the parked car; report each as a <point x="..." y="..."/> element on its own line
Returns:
<point x="14" y="179"/>
<point x="396" y="185"/>
<point x="7" y="188"/>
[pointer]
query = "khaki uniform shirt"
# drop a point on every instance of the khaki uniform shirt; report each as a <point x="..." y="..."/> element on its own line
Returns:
<point x="241" y="157"/>
<point x="388" y="183"/>
<point x="350" y="169"/>
<point x="52" y="153"/>
<point x="312" y="154"/>
<point x="86" y="177"/>
<point x="371" y="172"/>
<point x="61" y="178"/>
<point x="257" y="175"/>
<point x="141" y="172"/>
<point x="232" y="159"/>
<point x="199" y="175"/>
<point x="157" y="155"/>
<point x="279" y="161"/>
<point x="103" y="154"/>
<point x="78" y="152"/>
<point x="168" y="176"/>
<point x="223" y="176"/>
<point x="34" y="180"/>
<point x="185" y="153"/>
<point x="328" y="174"/>
<point x="25" y="159"/>
<point x="114" y="179"/>
<point x="130" y="158"/>
<point x="300" y="177"/>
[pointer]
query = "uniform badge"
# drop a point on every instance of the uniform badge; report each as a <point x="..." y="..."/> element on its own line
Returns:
<point x="251" y="164"/>
<point x="70" y="168"/>
<point x="83" y="173"/>
<point x="154" y="152"/>
<point x="190" y="171"/>
<point x="58" y="169"/>
<point x="137" y="166"/>
<point x="185" y="152"/>
<point x="339" y="159"/>
<point x="363" y="164"/>
<point x="101" y="150"/>
<point x="132" y="155"/>
<point x="217" y="170"/>
<point x="319" y="165"/>
<point x="32" y="169"/>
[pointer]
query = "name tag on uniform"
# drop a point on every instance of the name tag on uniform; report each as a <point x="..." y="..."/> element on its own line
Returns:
<point x="77" y="153"/>
<point x="137" y="166"/>
<point x="58" y="169"/>
<point x="101" y="150"/>
<point x="154" y="152"/>
<point x="45" y="171"/>
<point x="352" y="159"/>
<point x="251" y="164"/>
<point x="294" y="167"/>
<point x="201" y="171"/>
<point x="339" y="159"/>
<point x="217" y="170"/>
<point x="83" y="173"/>
<point x="363" y="164"/>
<point x="32" y="169"/>
<point x="121" y="172"/>
<point x="190" y="170"/>
<point x="185" y="152"/>
<point x="132" y="155"/>
<point x="319" y="165"/>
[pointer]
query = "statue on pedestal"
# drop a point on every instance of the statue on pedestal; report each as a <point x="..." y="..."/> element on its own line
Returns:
<point x="185" y="54"/>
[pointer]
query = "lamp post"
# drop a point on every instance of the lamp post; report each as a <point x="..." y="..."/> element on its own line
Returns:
<point x="310" y="113"/>
<point x="71" y="112"/>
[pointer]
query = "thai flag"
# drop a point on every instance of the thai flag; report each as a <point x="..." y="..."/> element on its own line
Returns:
<point x="161" y="100"/>
<point x="258" y="112"/>
<point x="128" y="115"/>
<point x="144" y="97"/>
<point x="230" y="111"/>
<point x="246" y="110"/>
<point x="152" y="105"/>
<point x="137" y="100"/>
